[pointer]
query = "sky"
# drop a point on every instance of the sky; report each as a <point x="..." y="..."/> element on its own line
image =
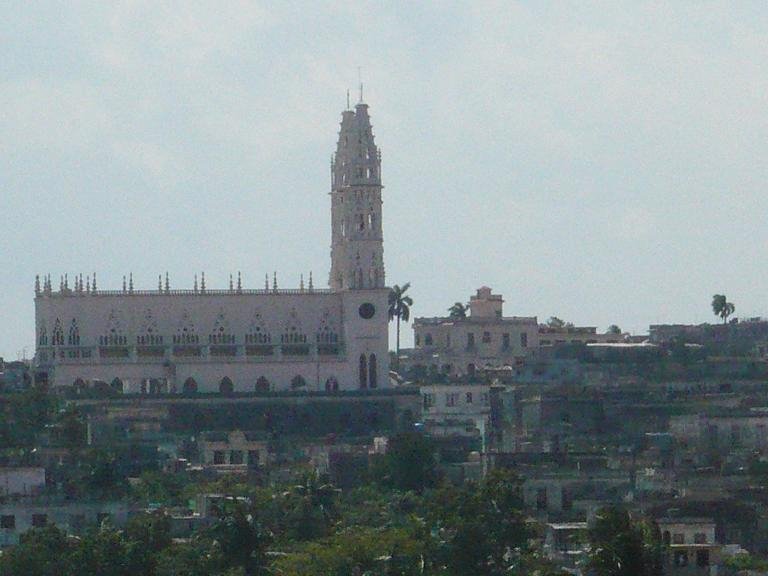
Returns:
<point x="604" y="162"/>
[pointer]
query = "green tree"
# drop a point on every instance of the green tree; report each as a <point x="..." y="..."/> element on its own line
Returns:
<point x="41" y="552"/>
<point x="148" y="535"/>
<point x="458" y="310"/>
<point x="480" y="528"/>
<point x="400" y="308"/>
<point x="242" y="540"/>
<point x="621" y="546"/>
<point x="613" y="329"/>
<point x="311" y="507"/>
<point x="101" y="552"/>
<point x="721" y="307"/>
<point x="409" y="463"/>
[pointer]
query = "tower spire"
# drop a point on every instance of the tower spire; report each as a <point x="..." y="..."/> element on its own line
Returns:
<point x="357" y="250"/>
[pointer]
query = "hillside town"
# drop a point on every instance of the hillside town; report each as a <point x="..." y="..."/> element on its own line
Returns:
<point x="271" y="430"/>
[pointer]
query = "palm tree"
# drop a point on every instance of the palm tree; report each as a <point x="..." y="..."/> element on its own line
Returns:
<point x="458" y="310"/>
<point x="400" y="308"/>
<point x="721" y="307"/>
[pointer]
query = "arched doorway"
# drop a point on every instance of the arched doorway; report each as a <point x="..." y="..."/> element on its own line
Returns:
<point x="117" y="385"/>
<point x="190" y="386"/>
<point x="298" y="382"/>
<point x="262" y="385"/>
<point x="373" y="371"/>
<point x="226" y="386"/>
<point x="79" y="386"/>
<point x="331" y="384"/>
<point x="363" y="375"/>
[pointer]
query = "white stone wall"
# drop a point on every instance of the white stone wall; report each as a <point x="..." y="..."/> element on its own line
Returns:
<point x="21" y="481"/>
<point x="131" y="315"/>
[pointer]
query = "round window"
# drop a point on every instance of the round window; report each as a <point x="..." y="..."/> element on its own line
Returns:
<point x="367" y="310"/>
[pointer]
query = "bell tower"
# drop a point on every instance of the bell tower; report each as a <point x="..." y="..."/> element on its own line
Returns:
<point x="357" y="247"/>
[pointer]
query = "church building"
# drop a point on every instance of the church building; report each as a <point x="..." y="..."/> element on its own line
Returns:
<point x="238" y="339"/>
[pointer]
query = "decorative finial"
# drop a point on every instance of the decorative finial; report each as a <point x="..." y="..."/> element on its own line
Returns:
<point x="81" y="282"/>
<point x="37" y="283"/>
<point x="239" y="283"/>
<point x="130" y="283"/>
<point x="66" y="282"/>
<point x="94" y="282"/>
<point x="125" y="287"/>
<point x="159" y="282"/>
<point x="88" y="284"/>
<point x="301" y="282"/>
<point x="274" y="281"/>
<point x="202" y="282"/>
<point x="360" y="79"/>
<point x="61" y="283"/>
<point x="167" y="282"/>
<point x="347" y="98"/>
<point x="311" y="286"/>
<point x="266" y="281"/>
<point x="195" y="283"/>
<point x="231" y="284"/>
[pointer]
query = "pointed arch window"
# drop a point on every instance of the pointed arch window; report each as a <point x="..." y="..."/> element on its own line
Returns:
<point x="190" y="386"/>
<point x="42" y="339"/>
<point x="149" y="335"/>
<point x="298" y="382"/>
<point x="220" y="333"/>
<point x="73" y="338"/>
<point x="262" y="385"/>
<point x="331" y="384"/>
<point x="372" y="371"/>
<point x="226" y="386"/>
<point x="58" y="334"/>
<point x="363" y="371"/>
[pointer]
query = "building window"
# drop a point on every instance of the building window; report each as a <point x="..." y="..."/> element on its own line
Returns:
<point x="58" y="334"/>
<point x="428" y="340"/>
<point x="8" y="522"/>
<point x="524" y="340"/>
<point x="447" y="340"/>
<point x="681" y="559"/>
<point x="218" y="457"/>
<point x="678" y="538"/>
<point x="373" y="371"/>
<point x="699" y="538"/>
<point x="363" y="372"/>
<point x="236" y="457"/>
<point x="253" y="458"/>
<point x="418" y="340"/>
<point x="505" y="341"/>
<point x="429" y="400"/>
<point x="541" y="499"/>
<point x="39" y="520"/>
<point x="470" y="340"/>
<point x="73" y="339"/>
<point x="702" y="558"/>
<point x="450" y="399"/>
<point x="468" y="397"/>
<point x="486" y="337"/>
<point x="484" y="398"/>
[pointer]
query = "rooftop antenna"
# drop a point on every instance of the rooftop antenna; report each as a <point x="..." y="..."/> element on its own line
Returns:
<point x="347" y="98"/>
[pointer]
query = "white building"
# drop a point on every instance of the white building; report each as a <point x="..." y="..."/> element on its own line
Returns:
<point x="459" y="346"/>
<point x="238" y="339"/>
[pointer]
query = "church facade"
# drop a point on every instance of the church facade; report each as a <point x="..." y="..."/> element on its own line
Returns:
<point x="238" y="339"/>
